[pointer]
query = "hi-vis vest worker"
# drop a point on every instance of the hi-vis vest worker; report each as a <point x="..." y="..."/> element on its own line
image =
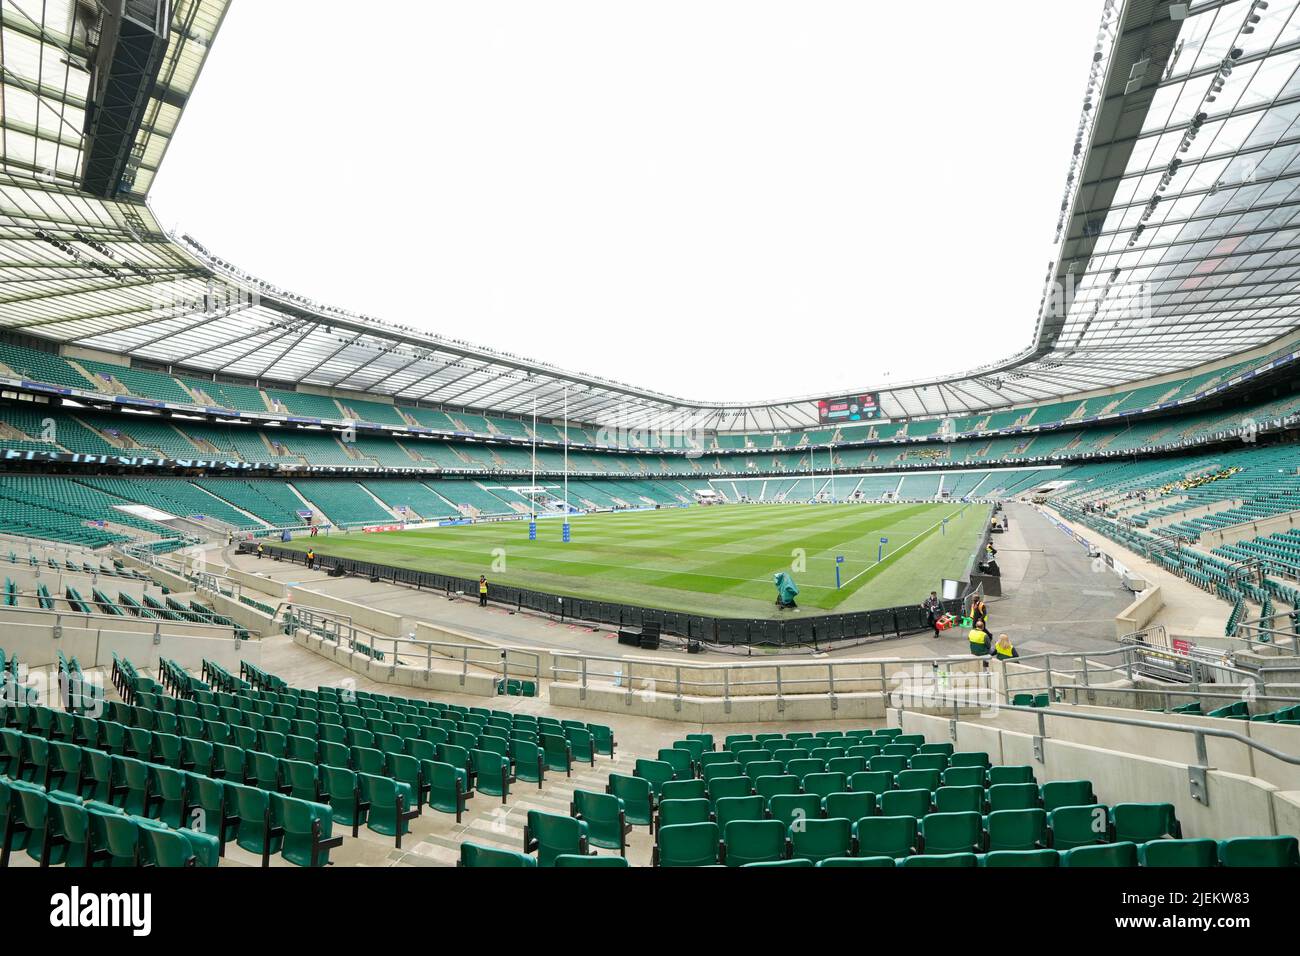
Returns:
<point x="482" y="591"/>
<point x="1003" y="648"/>
<point x="979" y="641"/>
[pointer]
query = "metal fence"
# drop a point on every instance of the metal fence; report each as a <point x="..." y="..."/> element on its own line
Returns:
<point x="502" y="663"/>
<point x="811" y="630"/>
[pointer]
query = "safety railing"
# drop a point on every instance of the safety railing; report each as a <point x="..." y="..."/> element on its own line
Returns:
<point x="1082" y="680"/>
<point x="505" y="663"/>
<point x="1197" y="772"/>
<point x="779" y="679"/>
<point x="159" y="628"/>
<point x="1257" y="632"/>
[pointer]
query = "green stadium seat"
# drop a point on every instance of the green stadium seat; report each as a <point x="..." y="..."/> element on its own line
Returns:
<point x="918" y="779"/>
<point x="219" y="816"/>
<point x="826" y="783"/>
<point x="728" y="809"/>
<point x="551" y="834"/>
<point x="256" y="833"/>
<point x="942" y="860"/>
<point x="848" y="861"/>
<point x="1143" y="822"/>
<point x="798" y="863"/>
<point x="801" y="767"/>
<point x="530" y="762"/>
<point x="1259" y="851"/>
<point x="308" y="829"/>
<point x="683" y="790"/>
<point x="565" y="860"/>
<point x="1179" y="853"/>
<point x="1013" y="796"/>
<point x="1003" y="774"/>
<point x="388" y="805"/>
<point x="922" y="761"/>
<point x="905" y="803"/>
<point x="1101" y="855"/>
<point x="688" y="844"/>
<point x="681" y="761"/>
<point x="886" y="836"/>
<point x="1021" y="858"/>
<point x="1067" y="793"/>
<point x="1017" y="829"/>
<point x="607" y="825"/>
<point x="963" y="777"/>
<point x="475" y="855"/>
<point x="850" y="804"/>
<point x="491" y="774"/>
<point x="637" y="797"/>
<point x="958" y="832"/>
<point x="775" y="785"/>
<point x="959" y="800"/>
<point x="675" y="812"/>
<point x="168" y="795"/>
<point x="789" y="808"/>
<point x="654" y="772"/>
<point x="1075" y="826"/>
<point x="817" y="839"/>
<point x="726" y="787"/>
<point x="753" y="841"/>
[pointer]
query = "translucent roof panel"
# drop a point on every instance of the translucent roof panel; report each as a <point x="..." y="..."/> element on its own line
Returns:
<point x="1177" y="237"/>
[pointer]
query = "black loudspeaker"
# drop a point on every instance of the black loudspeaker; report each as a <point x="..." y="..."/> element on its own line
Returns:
<point x="650" y="642"/>
<point x="336" y="572"/>
<point x="631" y="638"/>
<point x="650" y="629"/>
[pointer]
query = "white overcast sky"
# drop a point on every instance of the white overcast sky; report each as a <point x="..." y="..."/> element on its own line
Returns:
<point x="717" y="199"/>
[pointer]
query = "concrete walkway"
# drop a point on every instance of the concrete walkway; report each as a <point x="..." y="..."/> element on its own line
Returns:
<point x="1189" y="612"/>
<point x="1052" y="598"/>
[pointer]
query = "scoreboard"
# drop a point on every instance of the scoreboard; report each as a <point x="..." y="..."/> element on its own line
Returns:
<point x="851" y="408"/>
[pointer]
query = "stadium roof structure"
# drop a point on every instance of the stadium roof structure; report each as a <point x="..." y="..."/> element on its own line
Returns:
<point x="1178" y="241"/>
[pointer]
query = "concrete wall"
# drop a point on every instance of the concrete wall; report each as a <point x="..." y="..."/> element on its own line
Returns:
<point x="94" y="647"/>
<point x="1132" y="764"/>
<point x="371" y="619"/>
<point x="1249" y="529"/>
<point x="443" y="677"/>
<point x="1139" y="614"/>
<point x="528" y="662"/>
<point x="798" y="678"/>
<point x="257" y="583"/>
<point x="711" y="710"/>
<point x="1227" y="504"/>
<point x="14" y="616"/>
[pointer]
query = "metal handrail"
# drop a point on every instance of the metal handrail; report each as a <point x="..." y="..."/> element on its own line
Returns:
<point x="1197" y="773"/>
<point x="103" y="622"/>
<point x="340" y="629"/>
<point x="836" y="677"/>
<point x="832" y="674"/>
<point x="1169" y="693"/>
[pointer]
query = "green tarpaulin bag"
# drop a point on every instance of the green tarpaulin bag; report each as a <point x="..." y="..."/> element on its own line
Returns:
<point x="785" y="589"/>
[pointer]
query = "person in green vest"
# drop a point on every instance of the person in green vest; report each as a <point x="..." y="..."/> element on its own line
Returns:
<point x="311" y="558"/>
<point x="482" y="590"/>
<point x="979" y="641"/>
<point x="1003" y="649"/>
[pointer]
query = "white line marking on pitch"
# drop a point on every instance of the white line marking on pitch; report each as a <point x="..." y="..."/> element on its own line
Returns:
<point x="894" y="552"/>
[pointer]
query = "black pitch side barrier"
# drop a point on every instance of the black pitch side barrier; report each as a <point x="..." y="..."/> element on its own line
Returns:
<point x="741" y="632"/>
